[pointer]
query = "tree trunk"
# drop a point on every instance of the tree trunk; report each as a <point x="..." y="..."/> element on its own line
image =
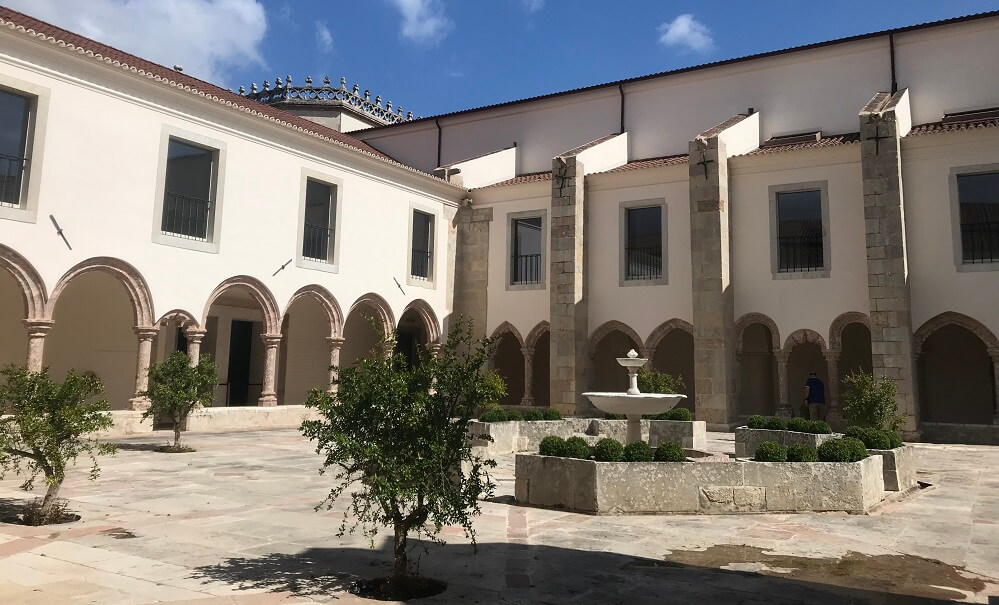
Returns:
<point x="401" y="567"/>
<point x="176" y="432"/>
<point x="49" y="502"/>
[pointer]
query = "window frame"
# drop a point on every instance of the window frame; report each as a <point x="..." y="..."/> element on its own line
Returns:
<point x="623" y="280"/>
<point x="218" y="171"/>
<point x="955" y="208"/>
<point x="27" y="209"/>
<point x="512" y="217"/>
<point x="332" y="264"/>
<point x="430" y="282"/>
<point x="826" y="271"/>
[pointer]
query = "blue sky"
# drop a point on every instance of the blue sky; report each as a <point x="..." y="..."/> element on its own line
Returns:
<point x="435" y="56"/>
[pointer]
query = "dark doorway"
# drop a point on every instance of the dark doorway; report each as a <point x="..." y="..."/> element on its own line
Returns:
<point x="405" y="343"/>
<point x="240" y="342"/>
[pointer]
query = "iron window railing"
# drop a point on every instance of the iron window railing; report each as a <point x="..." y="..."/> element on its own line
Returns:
<point x="980" y="242"/>
<point x="11" y="175"/>
<point x="799" y="253"/>
<point x="186" y="216"/>
<point x="420" y="264"/>
<point x="526" y="269"/>
<point x="316" y="242"/>
<point x="645" y="262"/>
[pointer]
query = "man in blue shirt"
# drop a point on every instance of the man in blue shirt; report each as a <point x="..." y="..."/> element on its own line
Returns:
<point x="815" y="396"/>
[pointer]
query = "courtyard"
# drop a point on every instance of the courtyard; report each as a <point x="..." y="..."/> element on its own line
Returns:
<point x="234" y="523"/>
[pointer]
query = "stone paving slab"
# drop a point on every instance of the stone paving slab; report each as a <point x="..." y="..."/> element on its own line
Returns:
<point x="233" y="523"/>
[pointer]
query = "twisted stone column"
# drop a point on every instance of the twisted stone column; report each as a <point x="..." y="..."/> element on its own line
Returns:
<point x="146" y="334"/>
<point x="833" y="413"/>
<point x="194" y="337"/>
<point x="783" y="403"/>
<point x="335" y="345"/>
<point x="268" y="393"/>
<point x="528" y="398"/>
<point x="994" y="356"/>
<point x="38" y="329"/>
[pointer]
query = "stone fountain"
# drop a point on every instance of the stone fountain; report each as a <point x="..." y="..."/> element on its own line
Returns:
<point x="633" y="404"/>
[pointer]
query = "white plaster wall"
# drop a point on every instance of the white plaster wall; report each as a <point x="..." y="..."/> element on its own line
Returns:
<point x="522" y="308"/>
<point x="412" y="144"/>
<point x="488" y="169"/>
<point x="935" y="283"/>
<point x="643" y="308"/>
<point x="798" y="303"/>
<point x="606" y="155"/>
<point x="98" y="178"/>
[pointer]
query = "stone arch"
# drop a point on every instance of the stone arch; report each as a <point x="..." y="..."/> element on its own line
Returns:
<point x="536" y="332"/>
<point x="507" y="327"/>
<point x="953" y="318"/>
<point x="802" y="336"/>
<point x="32" y="286"/>
<point x="135" y="285"/>
<point x="182" y="318"/>
<point x="326" y="300"/>
<point x="840" y="323"/>
<point x="756" y="318"/>
<point x="615" y="326"/>
<point x="431" y="326"/>
<point x="665" y="328"/>
<point x="381" y="308"/>
<point x="258" y="291"/>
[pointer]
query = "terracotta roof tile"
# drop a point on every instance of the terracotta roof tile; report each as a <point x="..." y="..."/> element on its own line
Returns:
<point x="28" y="25"/>
<point x="938" y="127"/>
<point x="669" y="160"/>
<point x="521" y="179"/>
<point x="826" y="141"/>
<point x="585" y="146"/>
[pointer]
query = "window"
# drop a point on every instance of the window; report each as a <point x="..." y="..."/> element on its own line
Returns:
<point x="643" y="251"/>
<point x="320" y="217"/>
<point x="800" y="245"/>
<point x="978" y="207"/>
<point x="423" y="246"/>
<point x="525" y="264"/>
<point x="189" y="191"/>
<point x="15" y="113"/>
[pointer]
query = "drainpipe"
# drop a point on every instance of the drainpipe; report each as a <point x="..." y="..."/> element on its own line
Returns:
<point x="620" y="89"/>
<point x="891" y="53"/>
<point x="438" y="123"/>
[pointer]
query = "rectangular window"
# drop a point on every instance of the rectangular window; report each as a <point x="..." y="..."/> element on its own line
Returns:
<point x="643" y="252"/>
<point x="525" y="267"/>
<point x="15" y="112"/>
<point x="423" y="245"/>
<point x="978" y="200"/>
<point x="799" y="231"/>
<point x="320" y="218"/>
<point x="189" y="190"/>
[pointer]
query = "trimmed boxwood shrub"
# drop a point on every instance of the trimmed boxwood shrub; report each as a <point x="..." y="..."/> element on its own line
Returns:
<point x="514" y="415"/>
<point x="608" y="450"/>
<point x="638" y="451"/>
<point x="678" y="414"/>
<point x="533" y="415"/>
<point x="577" y="447"/>
<point x="847" y="449"/>
<point x="801" y="452"/>
<point x="609" y="416"/>
<point x="668" y="451"/>
<point x="819" y="427"/>
<point x="775" y="424"/>
<point x="493" y="415"/>
<point x="757" y="422"/>
<point x="798" y="424"/>
<point x="551" y="414"/>
<point x="875" y="439"/>
<point x="768" y="451"/>
<point x="552" y="445"/>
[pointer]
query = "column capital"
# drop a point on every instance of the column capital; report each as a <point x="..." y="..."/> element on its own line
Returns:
<point x="527" y="351"/>
<point x="781" y="355"/>
<point x="271" y="340"/>
<point x="194" y="334"/>
<point x="832" y="354"/>
<point x="146" y="332"/>
<point x="335" y="342"/>
<point x="38" y="327"/>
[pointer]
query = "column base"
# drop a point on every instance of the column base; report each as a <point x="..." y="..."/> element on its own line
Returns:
<point x="835" y="418"/>
<point x="139" y="404"/>
<point x="267" y="401"/>
<point x="784" y="411"/>
<point x="527" y="400"/>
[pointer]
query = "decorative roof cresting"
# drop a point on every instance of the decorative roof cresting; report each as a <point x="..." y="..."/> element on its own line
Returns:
<point x="284" y="92"/>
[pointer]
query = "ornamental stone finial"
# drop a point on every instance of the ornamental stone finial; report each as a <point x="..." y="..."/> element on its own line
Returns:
<point x="326" y="80"/>
<point x="388" y="106"/>
<point x="343" y="82"/>
<point x="267" y="85"/>
<point x="277" y="82"/>
<point x="378" y="99"/>
<point x="399" y="112"/>
<point x="308" y="81"/>
<point x="242" y="90"/>
<point x="253" y="87"/>
<point x="409" y="115"/>
<point x="287" y="80"/>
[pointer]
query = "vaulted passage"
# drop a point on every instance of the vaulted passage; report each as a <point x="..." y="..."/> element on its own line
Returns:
<point x="956" y="378"/>
<point x="804" y="358"/>
<point x="13" y="336"/>
<point x="608" y="375"/>
<point x="675" y="355"/>
<point x="411" y="336"/>
<point x="541" y="364"/>
<point x="234" y="328"/>
<point x="305" y="350"/>
<point x="856" y="352"/>
<point x="757" y="372"/>
<point x="360" y="333"/>
<point x="508" y="362"/>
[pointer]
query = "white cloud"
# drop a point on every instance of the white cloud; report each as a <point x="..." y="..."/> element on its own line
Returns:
<point x="423" y="21"/>
<point x="207" y="37"/>
<point x="324" y="39"/>
<point x="686" y="32"/>
<point x="533" y="6"/>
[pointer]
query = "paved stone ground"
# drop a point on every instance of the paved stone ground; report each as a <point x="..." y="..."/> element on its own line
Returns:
<point x="234" y="523"/>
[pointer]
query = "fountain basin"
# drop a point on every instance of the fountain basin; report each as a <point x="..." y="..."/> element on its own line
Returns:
<point x="641" y="403"/>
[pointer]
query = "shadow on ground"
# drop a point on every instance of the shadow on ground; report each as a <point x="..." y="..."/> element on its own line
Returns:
<point x="544" y="574"/>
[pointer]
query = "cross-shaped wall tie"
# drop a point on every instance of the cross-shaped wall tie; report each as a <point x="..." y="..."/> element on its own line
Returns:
<point x="704" y="164"/>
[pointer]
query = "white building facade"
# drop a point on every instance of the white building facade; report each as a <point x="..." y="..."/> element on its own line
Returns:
<point x="825" y="209"/>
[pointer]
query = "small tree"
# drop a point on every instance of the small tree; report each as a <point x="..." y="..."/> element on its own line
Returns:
<point x="48" y="426"/>
<point x="395" y="434"/>
<point x="651" y="381"/>
<point x="176" y="388"/>
<point x="870" y="402"/>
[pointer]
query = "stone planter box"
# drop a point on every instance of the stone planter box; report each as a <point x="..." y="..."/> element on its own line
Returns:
<point x="526" y="435"/>
<point x="684" y="487"/>
<point x="249" y="418"/>
<point x="899" y="467"/>
<point x="747" y="439"/>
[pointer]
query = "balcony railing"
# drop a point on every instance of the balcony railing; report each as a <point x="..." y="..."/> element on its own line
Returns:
<point x="643" y="262"/>
<point x="526" y="269"/>
<point x="980" y="242"/>
<point x="186" y="216"/>
<point x="420" y="264"/>
<point x="11" y="173"/>
<point x="799" y="253"/>
<point x="316" y="242"/>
